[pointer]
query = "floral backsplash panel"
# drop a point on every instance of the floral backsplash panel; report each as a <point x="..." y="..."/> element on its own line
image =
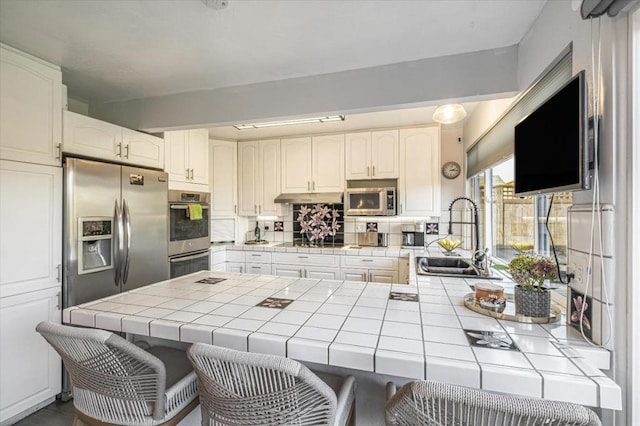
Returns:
<point x="318" y="224"/>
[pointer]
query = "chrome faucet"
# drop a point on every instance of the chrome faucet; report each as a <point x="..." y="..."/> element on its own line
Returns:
<point x="479" y="261"/>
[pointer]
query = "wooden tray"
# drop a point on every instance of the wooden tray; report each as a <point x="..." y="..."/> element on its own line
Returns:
<point x="509" y="312"/>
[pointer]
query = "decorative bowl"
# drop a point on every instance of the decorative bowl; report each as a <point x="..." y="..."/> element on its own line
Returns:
<point x="449" y="245"/>
<point x="493" y="303"/>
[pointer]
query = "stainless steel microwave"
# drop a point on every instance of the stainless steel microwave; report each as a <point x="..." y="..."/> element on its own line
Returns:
<point x="370" y="202"/>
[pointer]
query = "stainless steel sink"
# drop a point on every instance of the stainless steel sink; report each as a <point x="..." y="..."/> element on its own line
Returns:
<point x="449" y="267"/>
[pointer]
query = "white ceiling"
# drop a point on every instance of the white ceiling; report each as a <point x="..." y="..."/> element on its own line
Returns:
<point x="127" y="49"/>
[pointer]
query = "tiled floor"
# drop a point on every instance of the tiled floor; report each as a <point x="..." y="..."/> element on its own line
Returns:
<point x="55" y="414"/>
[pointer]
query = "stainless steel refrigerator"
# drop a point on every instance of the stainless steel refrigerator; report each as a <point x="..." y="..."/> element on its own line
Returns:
<point x="115" y="229"/>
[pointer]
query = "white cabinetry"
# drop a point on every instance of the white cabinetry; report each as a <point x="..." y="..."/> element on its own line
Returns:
<point x="372" y="155"/>
<point x="30" y="368"/>
<point x="300" y="265"/>
<point x="223" y="184"/>
<point x="419" y="182"/>
<point x="30" y="108"/>
<point x="259" y="178"/>
<point x="313" y="164"/>
<point x="187" y="158"/>
<point x="31" y="227"/>
<point x="370" y="269"/>
<point x="97" y="139"/>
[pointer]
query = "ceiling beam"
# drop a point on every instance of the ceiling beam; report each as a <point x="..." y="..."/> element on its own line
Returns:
<point x="432" y="80"/>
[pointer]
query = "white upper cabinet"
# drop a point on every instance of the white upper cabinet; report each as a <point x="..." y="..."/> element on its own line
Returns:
<point x="98" y="139"/>
<point x="31" y="227"/>
<point x="372" y="155"/>
<point x="296" y="165"/>
<point x="259" y="178"/>
<point x="327" y="163"/>
<point x="223" y="184"/>
<point x="187" y="158"/>
<point x="419" y="182"/>
<point x="248" y="172"/>
<point x="313" y="164"/>
<point x="269" y="185"/>
<point x="30" y="109"/>
<point x="142" y="149"/>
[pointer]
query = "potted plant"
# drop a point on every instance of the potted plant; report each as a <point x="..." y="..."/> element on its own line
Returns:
<point x="530" y="271"/>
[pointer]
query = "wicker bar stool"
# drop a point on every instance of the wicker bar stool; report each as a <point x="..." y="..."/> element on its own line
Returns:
<point x="433" y="403"/>
<point x="117" y="383"/>
<point x="239" y="388"/>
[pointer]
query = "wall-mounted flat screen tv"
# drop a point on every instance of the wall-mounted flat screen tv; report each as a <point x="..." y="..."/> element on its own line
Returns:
<point x="551" y="151"/>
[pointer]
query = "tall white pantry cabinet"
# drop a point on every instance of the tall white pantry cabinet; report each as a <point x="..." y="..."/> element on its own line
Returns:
<point x="31" y="230"/>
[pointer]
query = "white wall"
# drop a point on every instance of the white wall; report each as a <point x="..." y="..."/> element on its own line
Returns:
<point x="556" y="27"/>
<point x="485" y="114"/>
<point x="451" y="149"/>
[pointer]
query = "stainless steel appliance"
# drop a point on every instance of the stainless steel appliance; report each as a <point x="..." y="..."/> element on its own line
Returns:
<point x="372" y="239"/>
<point x="115" y="229"/>
<point x="413" y="235"/>
<point x="370" y="201"/>
<point x="189" y="238"/>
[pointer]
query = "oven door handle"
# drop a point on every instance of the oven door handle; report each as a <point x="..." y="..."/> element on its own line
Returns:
<point x="193" y="256"/>
<point x="185" y="206"/>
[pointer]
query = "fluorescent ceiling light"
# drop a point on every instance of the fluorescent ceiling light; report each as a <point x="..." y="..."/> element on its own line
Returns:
<point x="290" y="122"/>
<point x="449" y="114"/>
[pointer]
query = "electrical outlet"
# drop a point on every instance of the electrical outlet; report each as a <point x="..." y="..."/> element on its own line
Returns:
<point x="266" y="227"/>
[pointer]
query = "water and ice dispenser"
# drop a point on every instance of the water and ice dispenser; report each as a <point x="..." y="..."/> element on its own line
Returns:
<point x="95" y="244"/>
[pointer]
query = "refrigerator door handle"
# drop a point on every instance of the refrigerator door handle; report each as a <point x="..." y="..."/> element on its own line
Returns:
<point x="127" y="240"/>
<point x="118" y="244"/>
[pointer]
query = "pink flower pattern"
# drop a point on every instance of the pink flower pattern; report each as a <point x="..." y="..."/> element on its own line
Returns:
<point x="578" y="302"/>
<point x="318" y="222"/>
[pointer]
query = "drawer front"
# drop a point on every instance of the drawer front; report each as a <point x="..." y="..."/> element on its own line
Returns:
<point x="289" y="271"/>
<point x="323" y="273"/>
<point x="258" y="268"/>
<point x="235" y="256"/>
<point x="257" y="257"/>
<point x="235" y="267"/>
<point x="306" y="259"/>
<point x="388" y="263"/>
<point x="389" y="277"/>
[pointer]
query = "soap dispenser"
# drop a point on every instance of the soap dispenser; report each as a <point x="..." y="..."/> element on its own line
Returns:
<point x="256" y="231"/>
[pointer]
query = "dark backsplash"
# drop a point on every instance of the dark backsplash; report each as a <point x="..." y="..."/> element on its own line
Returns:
<point x="326" y="240"/>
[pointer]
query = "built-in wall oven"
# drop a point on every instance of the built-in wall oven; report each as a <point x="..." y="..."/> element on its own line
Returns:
<point x="189" y="236"/>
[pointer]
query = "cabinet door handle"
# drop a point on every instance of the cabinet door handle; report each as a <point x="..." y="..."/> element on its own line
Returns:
<point x="191" y="174"/>
<point x="367" y="170"/>
<point x="119" y="153"/>
<point x="308" y="186"/>
<point x="303" y="257"/>
<point x="235" y="209"/>
<point x="370" y="276"/>
<point x="187" y="173"/>
<point x="255" y="208"/>
<point x="373" y="170"/>
<point x="366" y="260"/>
<point x="259" y="208"/>
<point x="58" y="151"/>
<point x="59" y="300"/>
<point x="59" y="272"/>
<point x="400" y="208"/>
<point x="313" y="185"/>
<point x="255" y="255"/>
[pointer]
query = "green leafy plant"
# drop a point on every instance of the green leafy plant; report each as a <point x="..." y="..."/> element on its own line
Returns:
<point x="530" y="271"/>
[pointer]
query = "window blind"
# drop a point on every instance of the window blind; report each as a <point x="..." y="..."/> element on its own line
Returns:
<point x="496" y="144"/>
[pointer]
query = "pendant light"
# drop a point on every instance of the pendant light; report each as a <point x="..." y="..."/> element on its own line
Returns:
<point x="449" y="114"/>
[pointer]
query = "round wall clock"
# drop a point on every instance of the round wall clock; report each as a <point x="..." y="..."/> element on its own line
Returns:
<point x="451" y="170"/>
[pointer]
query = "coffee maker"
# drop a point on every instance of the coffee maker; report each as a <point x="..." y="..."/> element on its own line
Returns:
<point x="413" y="235"/>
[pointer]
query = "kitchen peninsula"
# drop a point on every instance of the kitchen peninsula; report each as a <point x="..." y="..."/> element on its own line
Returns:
<point x="409" y="331"/>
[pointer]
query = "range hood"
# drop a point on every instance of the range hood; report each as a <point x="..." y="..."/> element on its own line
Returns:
<point x="310" y="198"/>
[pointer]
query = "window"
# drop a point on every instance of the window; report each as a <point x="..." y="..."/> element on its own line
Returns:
<point x="510" y="224"/>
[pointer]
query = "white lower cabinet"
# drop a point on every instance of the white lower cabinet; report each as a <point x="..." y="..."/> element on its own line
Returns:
<point x="289" y="271"/>
<point x="369" y="269"/>
<point x="235" y="267"/>
<point x="380" y="276"/>
<point x="258" y="268"/>
<point x="369" y="275"/>
<point x="31" y="370"/>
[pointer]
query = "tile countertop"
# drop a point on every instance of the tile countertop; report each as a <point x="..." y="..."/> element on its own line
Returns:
<point x="362" y="326"/>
